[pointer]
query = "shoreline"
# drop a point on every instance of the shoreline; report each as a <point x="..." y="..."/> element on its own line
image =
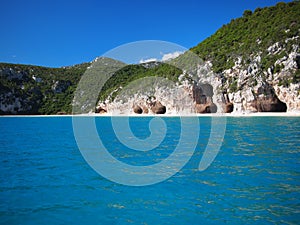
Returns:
<point x="240" y="114"/>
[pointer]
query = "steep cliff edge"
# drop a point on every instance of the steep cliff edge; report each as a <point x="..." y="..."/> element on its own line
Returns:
<point x="256" y="59"/>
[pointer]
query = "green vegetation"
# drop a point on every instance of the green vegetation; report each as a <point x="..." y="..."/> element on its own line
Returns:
<point x="52" y="89"/>
<point x="252" y="33"/>
<point x="133" y="72"/>
<point x="41" y="93"/>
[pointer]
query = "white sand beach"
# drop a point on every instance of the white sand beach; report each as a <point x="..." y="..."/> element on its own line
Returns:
<point x="234" y="114"/>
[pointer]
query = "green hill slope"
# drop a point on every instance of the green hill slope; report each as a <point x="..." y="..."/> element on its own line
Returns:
<point x="26" y="89"/>
<point x="252" y="33"/>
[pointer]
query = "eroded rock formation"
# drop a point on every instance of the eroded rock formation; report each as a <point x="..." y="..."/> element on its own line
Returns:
<point x="158" y="108"/>
<point x="228" y="108"/>
<point x="137" y="109"/>
<point x="247" y="86"/>
<point x="101" y="109"/>
<point x="267" y="101"/>
<point x="272" y="104"/>
<point x="206" y="108"/>
<point x="202" y="96"/>
<point x="227" y="105"/>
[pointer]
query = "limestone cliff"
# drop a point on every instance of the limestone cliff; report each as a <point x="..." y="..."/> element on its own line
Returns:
<point x="250" y="64"/>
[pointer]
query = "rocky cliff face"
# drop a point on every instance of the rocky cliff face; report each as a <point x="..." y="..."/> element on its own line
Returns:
<point x="252" y="88"/>
<point x="151" y="95"/>
<point x="245" y="87"/>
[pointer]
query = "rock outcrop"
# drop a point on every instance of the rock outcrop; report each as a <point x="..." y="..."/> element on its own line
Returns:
<point x="269" y="105"/>
<point x="101" y="109"/>
<point x="206" y="108"/>
<point x="145" y="110"/>
<point x="267" y="101"/>
<point x="137" y="109"/>
<point x="203" y="98"/>
<point x="227" y="105"/>
<point x="158" y="108"/>
<point x="228" y="108"/>
<point x="251" y="88"/>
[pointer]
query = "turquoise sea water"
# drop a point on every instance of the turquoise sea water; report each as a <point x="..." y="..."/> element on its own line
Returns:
<point x="255" y="178"/>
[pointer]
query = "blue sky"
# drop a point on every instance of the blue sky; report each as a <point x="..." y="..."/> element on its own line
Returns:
<point x="59" y="33"/>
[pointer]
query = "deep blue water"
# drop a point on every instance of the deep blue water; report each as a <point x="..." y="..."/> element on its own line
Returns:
<point x="255" y="178"/>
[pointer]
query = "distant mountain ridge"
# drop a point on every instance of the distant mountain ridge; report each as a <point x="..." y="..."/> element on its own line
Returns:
<point x="251" y="64"/>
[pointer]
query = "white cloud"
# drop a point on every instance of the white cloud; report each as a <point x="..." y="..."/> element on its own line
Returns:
<point x="172" y="55"/>
<point x="165" y="57"/>
<point x="148" y="60"/>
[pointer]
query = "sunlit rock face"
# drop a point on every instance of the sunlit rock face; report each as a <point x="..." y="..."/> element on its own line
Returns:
<point x="228" y="108"/>
<point x="158" y="108"/>
<point x="137" y="109"/>
<point x="248" y="86"/>
<point x="213" y="93"/>
<point x="253" y="88"/>
<point x="267" y="101"/>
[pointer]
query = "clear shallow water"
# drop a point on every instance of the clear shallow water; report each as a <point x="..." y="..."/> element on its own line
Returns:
<point x="255" y="179"/>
